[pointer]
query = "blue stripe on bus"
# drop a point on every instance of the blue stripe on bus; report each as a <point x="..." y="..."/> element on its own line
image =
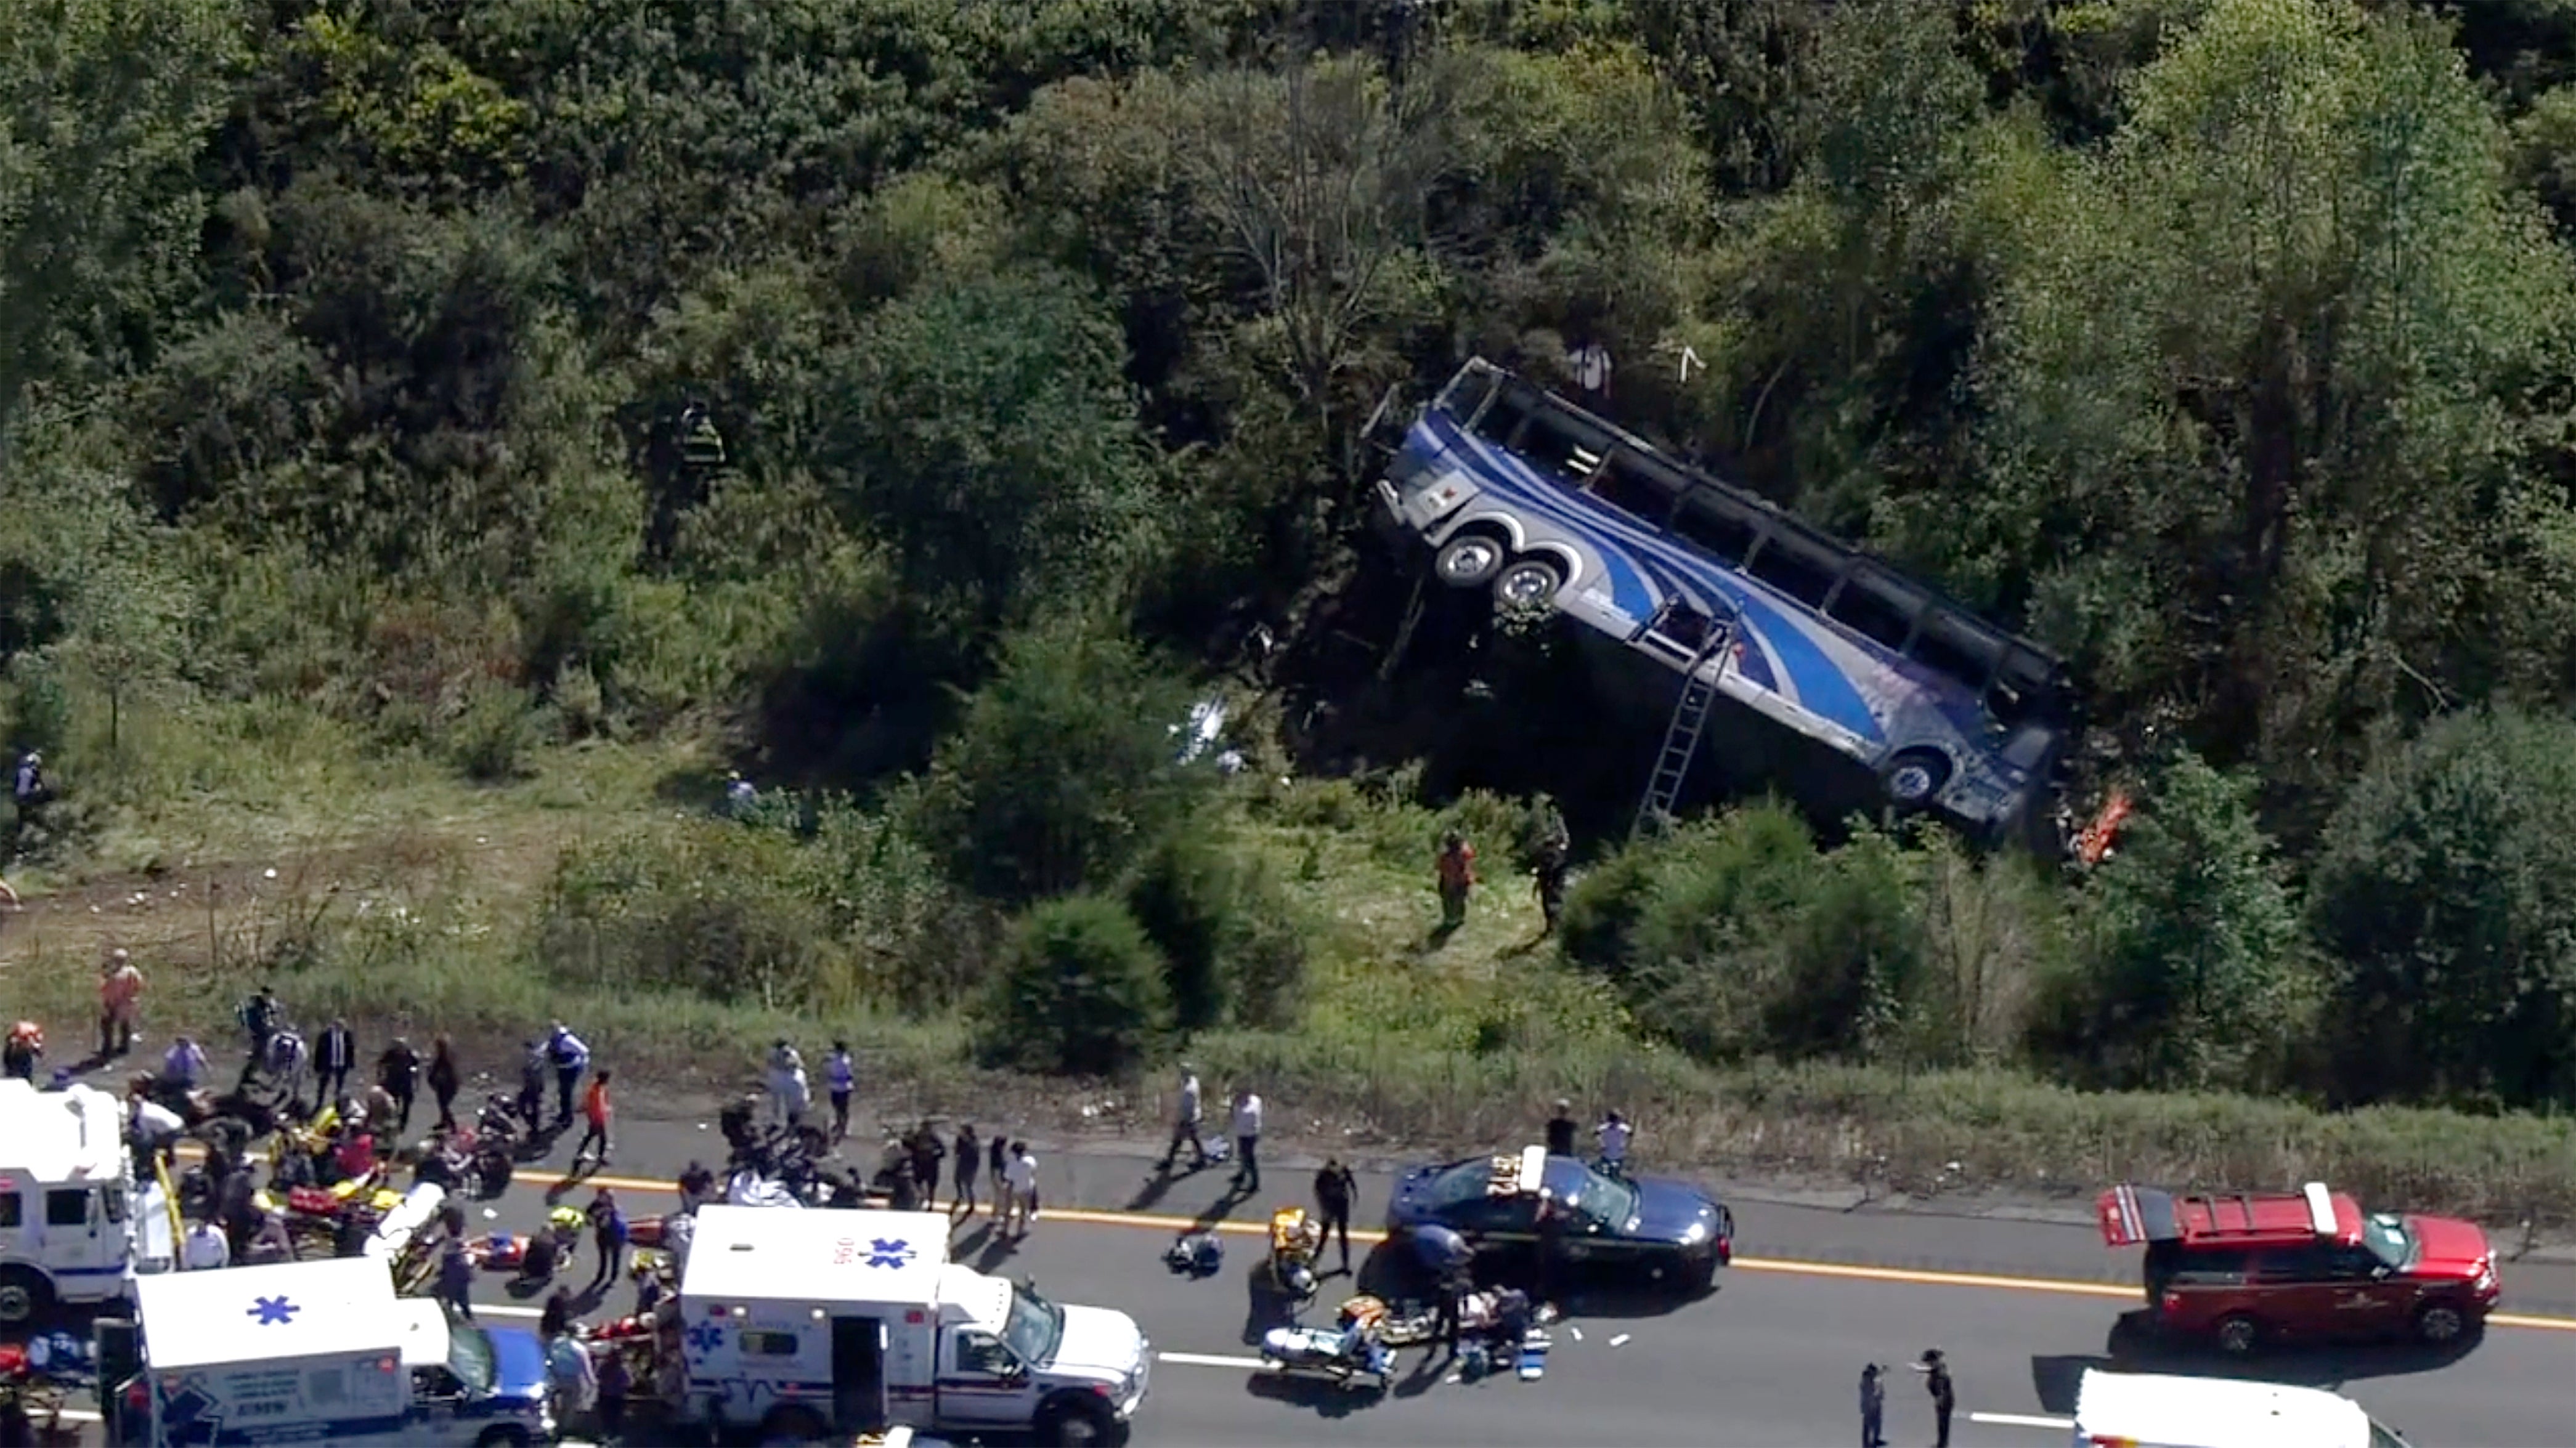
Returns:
<point x="1814" y="681"/>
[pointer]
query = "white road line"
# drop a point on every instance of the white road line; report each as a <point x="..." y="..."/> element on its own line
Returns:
<point x="72" y="1415"/>
<point x="482" y="1309"/>
<point x="1208" y="1360"/>
<point x="2021" y="1420"/>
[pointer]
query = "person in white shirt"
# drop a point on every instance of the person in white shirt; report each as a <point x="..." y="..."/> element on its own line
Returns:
<point x="1247" y="1141"/>
<point x="206" y="1248"/>
<point x="1613" y="1133"/>
<point x="152" y="1128"/>
<point x="788" y="1092"/>
<point x="1020" y="1189"/>
<point x="1185" y="1125"/>
<point x="184" y="1064"/>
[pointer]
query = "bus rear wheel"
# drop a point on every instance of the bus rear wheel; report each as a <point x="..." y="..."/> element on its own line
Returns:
<point x="24" y="1295"/>
<point x="1528" y="583"/>
<point x="1914" y="776"/>
<point x="1470" y="560"/>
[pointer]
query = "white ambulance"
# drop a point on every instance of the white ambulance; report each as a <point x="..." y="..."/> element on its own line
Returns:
<point x="305" y="1352"/>
<point x="2145" y="1410"/>
<point x="810" y="1323"/>
<point x="74" y="1225"/>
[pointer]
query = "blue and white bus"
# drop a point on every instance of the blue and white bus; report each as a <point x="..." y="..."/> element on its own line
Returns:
<point x="1516" y="489"/>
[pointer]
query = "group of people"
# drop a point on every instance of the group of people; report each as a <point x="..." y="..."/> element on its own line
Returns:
<point x="1453" y="871"/>
<point x="1935" y="1369"/>
<point x="1244" y="1125"/>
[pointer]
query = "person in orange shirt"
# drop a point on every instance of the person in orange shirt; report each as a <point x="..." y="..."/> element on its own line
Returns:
<point x="120" y="1000"/>
<point x="596" y="1114"/>
<point x="1456" y="869"/>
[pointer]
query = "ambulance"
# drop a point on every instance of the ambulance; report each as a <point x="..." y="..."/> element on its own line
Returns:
<point x="2144" y="1410"/>
<point x="75" y="1225"/>
<point x="807" y="1324"/>
<point x="312" y="1352"/>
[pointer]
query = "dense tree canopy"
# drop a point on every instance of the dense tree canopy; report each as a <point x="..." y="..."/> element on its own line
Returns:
<point x="918" y="385"/>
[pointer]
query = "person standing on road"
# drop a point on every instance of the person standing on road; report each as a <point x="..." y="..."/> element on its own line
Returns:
<point x="444" y="1079"/>
<point x="1873" y="1407"/>
<point x="1936" y="1381"/>
<point x="969" y="1161"/>
<point x="841" y="1079"/>
<point x="456" y="1278"/>
<point x="787" y="1089"/>
<point x="925" y="1149"/>
<point x="1247" y="1140"/>
<point x="570" y="1058"/>
<point x="1614" y="1133"/>
<point x="184" y="1064"/>
<point x="608" y="1233"/>
<point x="1334" y="1189"/>
<point x="596" y="1114"/>
<point x="997" y="1156"/>
<point x="207" y="1248"/>
<point x="120" y="1003"/>
<point x="1185" y="1124"/>
<point x="1020" y="1186"/>
<point x="531" y="1100"/>
<point x="334" y="1053"/>
<point x="1456" y="871"/>
<point x="1560" y="1129"/>
<point x="398" y="1072"/>
<point x="1452" y="1263"/>
<point x="259" y="1017"/>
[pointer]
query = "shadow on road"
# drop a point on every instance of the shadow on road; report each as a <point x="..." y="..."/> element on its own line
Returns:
<point x="2135" y="1348"/>
<point x="1323" y="1398"/>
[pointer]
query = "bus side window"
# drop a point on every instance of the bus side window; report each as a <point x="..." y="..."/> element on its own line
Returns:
<point x="1560" y="445"/>
<point x="1875" y="608"/>
<point x="2023" y="690"/>
<point x="1634" y="490"/>
<point x="1502" y="417"/>
<point x="67" y="1207"/>
<point x="1952" y="649"/>
<point x="1718" y="526"/>
<point x="13" y="1211"/>
<point x="1796" y="568"/>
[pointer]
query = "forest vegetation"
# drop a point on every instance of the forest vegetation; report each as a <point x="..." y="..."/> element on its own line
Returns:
<point x="533" y="409"/>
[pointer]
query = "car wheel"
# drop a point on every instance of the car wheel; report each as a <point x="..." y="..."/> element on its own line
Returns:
<point x="1914" y="776"/>
<point x="1076" y="1421"/>
<point x="2440" y="1324"/>
<point x="24" y="1295"/>
<point x="2239" y="1335"/>
<point x="1528" y="583"/>
<point x="1469" y="560"/>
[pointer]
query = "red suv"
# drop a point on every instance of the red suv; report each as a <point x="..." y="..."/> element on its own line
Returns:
<point x="2244" y="1270"/>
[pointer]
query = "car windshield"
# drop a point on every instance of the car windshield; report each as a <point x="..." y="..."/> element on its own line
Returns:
<point x="469" y="1356"/>
<point x="1460" y="1184"/>
<point x="2388" y="1240"/>
<point x="1033" y="1327"/>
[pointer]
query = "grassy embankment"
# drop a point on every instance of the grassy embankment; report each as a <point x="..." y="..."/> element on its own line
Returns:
<point x="407" y="899"/>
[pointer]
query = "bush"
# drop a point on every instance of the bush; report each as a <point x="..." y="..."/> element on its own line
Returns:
<point x="705" y="907"/>
<point x="1233" y="950"/>
<point x="2445" y="891"/>
<point x="495" y="731"/>
<point x="1082" y="991"/>
<point x="1062" y="768"/>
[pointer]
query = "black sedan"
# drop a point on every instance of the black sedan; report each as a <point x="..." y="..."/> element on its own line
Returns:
<point x="1668" y="1230"/>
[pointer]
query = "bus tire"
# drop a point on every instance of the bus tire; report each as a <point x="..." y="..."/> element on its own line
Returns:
<point x="1914" y="777"/>
<point x="25" y="1295"/>
<point x="1471" y="559"/>
<point x="1530" y="581"/>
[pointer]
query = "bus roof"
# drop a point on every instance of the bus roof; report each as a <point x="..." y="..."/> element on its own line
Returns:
<point x="790" y="1254"/>
<point x="73" y="1135"/>
<point x="2157" y="1411"/>
<point x="279" y="1313"/>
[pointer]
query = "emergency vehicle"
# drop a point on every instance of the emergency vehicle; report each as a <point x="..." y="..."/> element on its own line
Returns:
<point x="75" y="1226"/>
<point x="324" y="1352"/>
<point x="2142" y="1410"/>
<point x="811" y="1323"/>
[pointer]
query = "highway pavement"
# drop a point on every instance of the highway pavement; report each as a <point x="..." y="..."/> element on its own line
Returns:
<point x="1769" y="1360"/>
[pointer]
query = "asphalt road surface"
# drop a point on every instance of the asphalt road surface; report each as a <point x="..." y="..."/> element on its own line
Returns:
<point x="1769" y="1360"/>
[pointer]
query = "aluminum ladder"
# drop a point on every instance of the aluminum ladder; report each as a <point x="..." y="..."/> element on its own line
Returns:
<point x="1681" y="738"/>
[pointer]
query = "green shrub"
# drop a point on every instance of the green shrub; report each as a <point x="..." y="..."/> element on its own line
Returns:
<point x="1081" y="991"/>
<point x="697" y="906"/>
<point x="1231" y="943"/>
<point x="2446" y="891"/>
<point x="495" y="731"/>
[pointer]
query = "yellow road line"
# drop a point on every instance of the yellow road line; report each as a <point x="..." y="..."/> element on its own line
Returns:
<point x="1167" y="1222"/>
